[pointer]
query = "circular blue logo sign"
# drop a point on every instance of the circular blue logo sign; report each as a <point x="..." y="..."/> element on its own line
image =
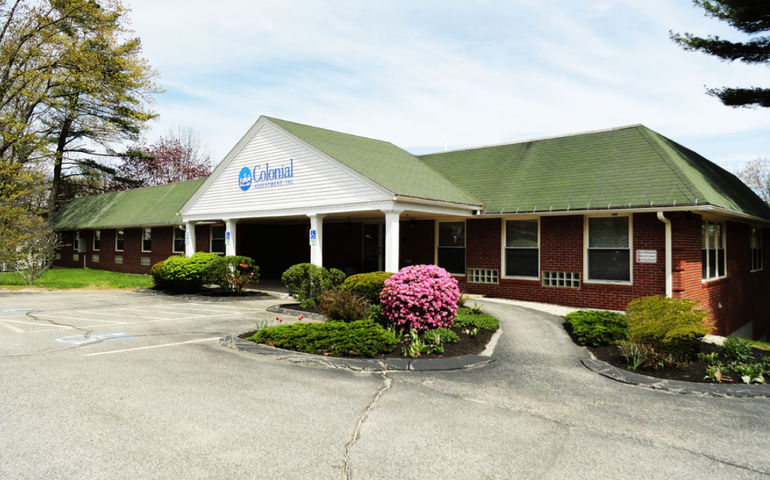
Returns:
<point x="244" y="178"/>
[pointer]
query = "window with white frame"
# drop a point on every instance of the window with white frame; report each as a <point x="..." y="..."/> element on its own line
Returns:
<point x="451" y="247"/>
<point x="178" y="240"/>
<point x="97" y="240"/>
<point x="217" y="239"/>
<point x="522" y="248"/>
<point x="757" y="262"/>
<point x="609" y="249"/>
<point x="147" y="239"/>
<point x="713" y="250"/>
<point x="119" y="240"/>
<point x="76" y="246"/>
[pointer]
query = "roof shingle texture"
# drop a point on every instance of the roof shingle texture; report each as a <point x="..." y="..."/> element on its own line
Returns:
<point x="130" y="208"/>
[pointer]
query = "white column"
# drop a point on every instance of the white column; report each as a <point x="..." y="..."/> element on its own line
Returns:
<point x="316" y="239"/>
<point x="189" y="238"/>
<point x="230" y="236"/>
<point x="392" y="240"/>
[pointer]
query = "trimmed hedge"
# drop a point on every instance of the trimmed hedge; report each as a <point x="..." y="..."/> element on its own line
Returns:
<point x="367" y="285"/>
<point x="363" y="337"/>
<point x="597" y="327"/>
<point x="189" y="274"/>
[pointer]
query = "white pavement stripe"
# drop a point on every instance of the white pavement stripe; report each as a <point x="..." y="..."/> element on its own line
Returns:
<point x="17" y="330"/>
<point x="152" y="346"/>
<point x="199" y="306"/>
<point x="42" y="323"/>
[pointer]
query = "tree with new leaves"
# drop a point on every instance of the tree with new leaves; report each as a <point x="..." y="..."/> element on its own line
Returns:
<point x="178" y="156"/>
<point x="751" y="17"/>
<point x="72" y="84"/>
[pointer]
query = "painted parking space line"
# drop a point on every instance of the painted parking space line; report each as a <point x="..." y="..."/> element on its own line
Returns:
<point x="17" y="311"/>
<point x="151" y="346"/>
<point x="11" y="327"/>
<point x="199" y="306"/>
<point x="78" y="340"/>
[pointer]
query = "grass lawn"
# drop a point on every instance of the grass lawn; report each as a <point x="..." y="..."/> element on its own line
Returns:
<point x="63" y="278"/>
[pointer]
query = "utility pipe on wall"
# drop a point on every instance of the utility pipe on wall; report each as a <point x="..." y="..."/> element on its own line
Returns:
<point x="669" y="260"/>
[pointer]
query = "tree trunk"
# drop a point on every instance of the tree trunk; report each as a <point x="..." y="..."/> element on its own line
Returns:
<point x="53" y="200"/>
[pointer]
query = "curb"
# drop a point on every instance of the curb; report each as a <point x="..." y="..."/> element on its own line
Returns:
<point x="294" y="313"/>
<point x="675" y="386"/>
<point x="357" y="365"/>
<point x="206" y="298"/>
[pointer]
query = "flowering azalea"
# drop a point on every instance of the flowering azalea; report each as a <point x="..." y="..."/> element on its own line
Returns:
<point x="420" y="297"/>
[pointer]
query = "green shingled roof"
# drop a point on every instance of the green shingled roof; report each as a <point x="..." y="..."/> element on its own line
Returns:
<point x="629" y="167"/>
<point x="131" y="208"/>
<point x="382" y="162"/>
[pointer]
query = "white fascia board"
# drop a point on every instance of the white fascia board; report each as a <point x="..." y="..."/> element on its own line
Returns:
<point x="223" y="164"/>
<point x="436" y="209"/>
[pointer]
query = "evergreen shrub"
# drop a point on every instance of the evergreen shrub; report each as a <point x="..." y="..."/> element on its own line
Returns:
<point x="189" y="274"/>
<point x="420" y="297"/>
<point x="367" y="285"/>
<point x="597" y="327"/>
<point x="669" y="325"/>
<point x="343" y="305"/>
<point x="157" y="276"/>
<point x="308" y="282"/>
<point x="362" y="337"/>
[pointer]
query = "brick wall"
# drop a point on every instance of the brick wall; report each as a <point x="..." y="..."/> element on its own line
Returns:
<point x="161" y="249"/>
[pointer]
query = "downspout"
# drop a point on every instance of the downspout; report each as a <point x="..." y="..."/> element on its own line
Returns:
<point x="669" y="276"/>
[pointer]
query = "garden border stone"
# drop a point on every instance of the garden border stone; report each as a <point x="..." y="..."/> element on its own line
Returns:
<point x="675" y="386"/>
<point x="357" y="364"/>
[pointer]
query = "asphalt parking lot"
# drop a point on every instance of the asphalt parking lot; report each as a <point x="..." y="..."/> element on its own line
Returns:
<point x="112" y="384"/>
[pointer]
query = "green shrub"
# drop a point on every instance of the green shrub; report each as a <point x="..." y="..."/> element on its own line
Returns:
<point x="467" y="320"/>
<point x="234" y="272"/>
<point x="367" y="285"/>
<point x="189" y="274"/>
<point x="597" y="327"/>
<point x="375" y="314"/>
<point x="737" y="349"/>
<point x="343" y="306"/>
<point x="669" y="325"/>
<point x="443" y="335"/>
<point x="155" y="271"/>
<point x="308" y="282"/>
<point x="363" y="337"/>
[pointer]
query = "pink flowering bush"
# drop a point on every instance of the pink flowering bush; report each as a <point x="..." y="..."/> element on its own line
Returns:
<point x="420" y="297"/>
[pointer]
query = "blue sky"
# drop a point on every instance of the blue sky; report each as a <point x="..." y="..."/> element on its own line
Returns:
<point x="468" y="73"/>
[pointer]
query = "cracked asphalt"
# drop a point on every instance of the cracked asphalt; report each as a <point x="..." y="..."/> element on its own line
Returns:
<point x="114" y="384"/>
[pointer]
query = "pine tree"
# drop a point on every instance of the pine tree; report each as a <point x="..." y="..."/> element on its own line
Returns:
<point x="751" y="17"/>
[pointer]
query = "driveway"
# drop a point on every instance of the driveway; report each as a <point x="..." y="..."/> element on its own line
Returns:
<point x="140" y="388"/>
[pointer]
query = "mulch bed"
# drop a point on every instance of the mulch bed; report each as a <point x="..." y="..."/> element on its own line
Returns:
<point x="694" y="371"/>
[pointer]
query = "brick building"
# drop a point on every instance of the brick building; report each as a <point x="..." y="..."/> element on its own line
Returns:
<point x="588" y="220"/>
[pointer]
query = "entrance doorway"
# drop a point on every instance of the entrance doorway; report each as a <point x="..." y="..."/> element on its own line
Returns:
<point x="374" y="253"/>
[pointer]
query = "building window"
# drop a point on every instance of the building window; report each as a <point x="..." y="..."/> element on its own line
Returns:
<point x="713" y="250"/>
<point x="609" y="249"/>
<point x="147" y="239"/>
<point x="522" y="248"/>
<point x="97" y="240"/>
<point x="75" y="257"/>
<point x="95" y="258"/>
<point x="145" y="261"/>
<point x="757" y="262"/>
<point x="483" y="275"/>
<point x="561" y="279"/>
<point x="451" y="247"/>
<point x="118" y="259"/>
<point x="217" y="239"/>
<point x="178" y="240"/>
<point x="76" y="247"/>
<point x="119" y="241"/>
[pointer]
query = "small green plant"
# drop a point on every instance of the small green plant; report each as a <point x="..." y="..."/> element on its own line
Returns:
<point x="444" y="335"/>
<point x="468" y="321"/>
<point x="737" y="349"/>
<point x="233" y="273"/>
<point x="597" y="327"/>
<point x="709" y="358"/>
<point x="749" y="372"/>
<point x="367" y="285"/>
<point x="669" y="325"/>
<point x="634" y="353"/>
<point x="342" y="305"/>
<point x="396" y="332"/>
<point x="714" y="373"/>
<point x="416" y="346"/>
<point x="476" y="310"/>
<point x="474" y="332"/>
